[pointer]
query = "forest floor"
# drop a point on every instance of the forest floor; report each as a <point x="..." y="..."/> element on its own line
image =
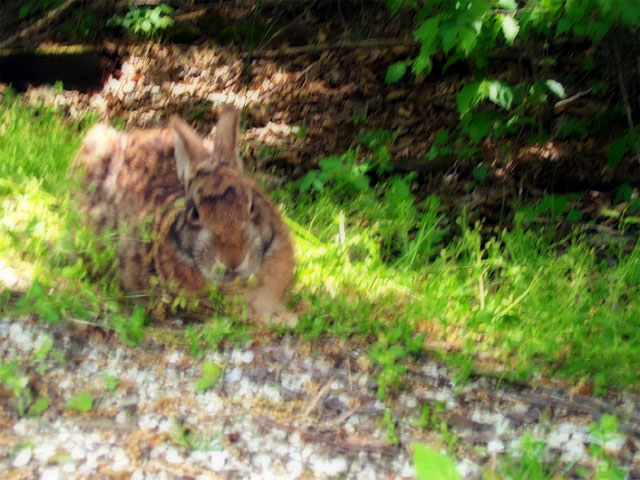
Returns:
<point x="284" y="407"/>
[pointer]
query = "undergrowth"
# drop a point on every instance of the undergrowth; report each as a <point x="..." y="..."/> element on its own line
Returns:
<point x="373" y="261"/>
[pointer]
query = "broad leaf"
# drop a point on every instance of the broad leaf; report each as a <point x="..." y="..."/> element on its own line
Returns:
<point x="396" y="71"/>
<point x="616" y="150"/>
<point x="394" y="5"/>
<point x="508" y="4"/>
<point x="432" y="465"/>
<point x="555" y="87"/>
<point x="574" y="215"/>
<point x="480" y="173"/>
<point x="510" y="27"/>
<point x="468" y="97"/>
<point x="80" y="403"/>
<point x="501" y="94"/>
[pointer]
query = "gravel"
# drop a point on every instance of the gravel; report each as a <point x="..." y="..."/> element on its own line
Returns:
<point x="282" y="409"/>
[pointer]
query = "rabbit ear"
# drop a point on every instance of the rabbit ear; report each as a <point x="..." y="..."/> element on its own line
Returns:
<point x="189" y="147"/>
<point x="224" y="141"/>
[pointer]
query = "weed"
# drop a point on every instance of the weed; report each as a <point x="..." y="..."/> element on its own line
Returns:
<point x="432" y="465"/>
<point x="603" y="432"/>
<point x="390" y="427"/>
<point x="210" y="375"/>
<point x="183" y="436"/>
<point x="82" y="402"/>
<point x="110" y="382"/>
<point x="18" y="384"/>
<point x="530" y="461"/>
<point x="144" y="22"/>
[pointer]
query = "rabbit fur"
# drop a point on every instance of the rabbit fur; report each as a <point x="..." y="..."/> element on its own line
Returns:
<point x="185" y="212"/>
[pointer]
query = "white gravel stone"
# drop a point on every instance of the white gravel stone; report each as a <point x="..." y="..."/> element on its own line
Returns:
<point x="262" y="461"/>
<point x="495" y="446"/>
<point x="613" y="446"/>
<point x="23" y="458"/>
<point x="573" y="451"/>
<point x="121" y="417"/>
<point x="291" y="382"/>
<point x="242" y="356"/>
<point x="217" y="460"/>
<point x="77" y="452"/>
<point x="272" y="392"/>
<point x="330" y="467"/>
<point x="468" y="469"/>
<point x="233" y="375"/>
<point x="44" y="452"/>
<point x="52" y="473"/>
<point x="175" y="357"/>
<point x="557" y="438"/>
<point x="173" y="456"/>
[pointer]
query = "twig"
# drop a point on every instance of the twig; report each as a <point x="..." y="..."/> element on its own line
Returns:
<point x="341" y="418"/>
<point x="372" y="447"/>
<point x="368" y="43"/>
<point x="558" y="107"/>
<point x="46" y="20"/>
<point x="625" y="98"/>
<point x="318" y="396"/>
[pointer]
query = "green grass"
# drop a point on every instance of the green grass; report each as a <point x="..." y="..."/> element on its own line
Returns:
<point x="373" y="262"/>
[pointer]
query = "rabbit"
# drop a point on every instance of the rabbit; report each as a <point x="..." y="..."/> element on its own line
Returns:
<point x="186" y="213"/>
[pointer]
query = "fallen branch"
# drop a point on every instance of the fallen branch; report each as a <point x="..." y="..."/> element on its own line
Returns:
<point x="373" y="447"/>
<point x="561" y="105"/>
<point x="43" y="22"/>
<point x="350" y="44"/>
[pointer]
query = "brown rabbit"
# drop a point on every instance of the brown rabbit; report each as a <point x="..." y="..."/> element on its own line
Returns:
<point x="186" y="213"/>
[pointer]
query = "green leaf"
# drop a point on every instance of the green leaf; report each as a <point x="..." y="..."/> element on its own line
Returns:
<point x="210" y="375"/>
<point x="80" y="403"/>
<point x="480" y="126"/>
<point x="616" y="150"/>
<point x="563" y="26"/>
<point x="558" y="204"/>
<point x="480" y="173"/>
<point x="510" y="27"/>
<point x="555" y="87"/>
<point x="427" y="33"/>
<point x="468" y="97"/>
<point x="623" y="193"/>
<point x="39" y="406"/>
<point x="422" y="64"/>
<point x="501" y="94"/>
<point x="449" y="35"/>
<point x="574" y="215"/>
<point x="432" y="465"/>
<point x="394" y="5"/>
<point x="110" y="382"/>
<point x="508" y="4"/>
<point x="395" y="72"/>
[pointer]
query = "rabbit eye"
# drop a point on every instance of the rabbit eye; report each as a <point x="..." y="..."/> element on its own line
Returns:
<point x="194" y="215"/>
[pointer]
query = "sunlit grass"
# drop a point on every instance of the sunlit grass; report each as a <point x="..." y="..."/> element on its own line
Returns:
<point x="373" y="263"/>
<point x="538" y="305"/>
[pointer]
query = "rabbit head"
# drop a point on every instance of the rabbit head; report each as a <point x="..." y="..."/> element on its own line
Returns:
<point x="219" y="229"/>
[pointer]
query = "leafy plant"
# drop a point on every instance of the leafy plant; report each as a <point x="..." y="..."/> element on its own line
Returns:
<point x="530" y="461"/>
<point x="210" y="375"/>
<point x="389" y="424"/>
<point x="604" y="431"/>
<point x="145" y="21"/>
<point x="82" y="402"/>
<point x="130" y="330"/>
<point x="110" y="382"/>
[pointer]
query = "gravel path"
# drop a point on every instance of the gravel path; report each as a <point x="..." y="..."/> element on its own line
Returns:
<point x="281" y="409"/>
